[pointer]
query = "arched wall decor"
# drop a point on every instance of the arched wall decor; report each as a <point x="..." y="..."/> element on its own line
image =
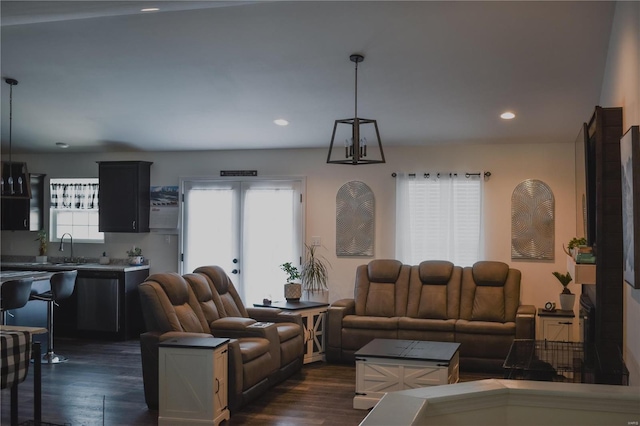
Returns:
<point x="532" y="221"/>
<point x="355" y="224"/>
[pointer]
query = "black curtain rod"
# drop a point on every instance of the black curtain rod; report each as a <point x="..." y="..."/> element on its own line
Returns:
<point x="467" y="175"/>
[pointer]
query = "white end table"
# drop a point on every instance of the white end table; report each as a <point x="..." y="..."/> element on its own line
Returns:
<point x="193" y="381"/>
<point x="313" y="321"/>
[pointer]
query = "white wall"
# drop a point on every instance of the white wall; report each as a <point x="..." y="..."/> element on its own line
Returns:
<point x="509" y="165"/>
<point x="621" y="87"/>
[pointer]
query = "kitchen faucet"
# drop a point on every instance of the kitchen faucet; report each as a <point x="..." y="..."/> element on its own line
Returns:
<point x="61" y="248"/>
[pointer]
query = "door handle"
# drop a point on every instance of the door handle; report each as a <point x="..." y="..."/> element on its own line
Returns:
<point x="235" y="271"/>
<point x="235" y="260"/>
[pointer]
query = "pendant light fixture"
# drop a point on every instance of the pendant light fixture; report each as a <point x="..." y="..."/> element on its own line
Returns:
<point x="15" y="181"/>
<point x="355" y="131"/>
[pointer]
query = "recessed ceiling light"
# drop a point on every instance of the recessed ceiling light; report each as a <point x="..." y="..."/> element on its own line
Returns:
<point x="150" y="9"/>
<point x="281" y="122"/>
<point x="62" y="145"/>
<point x="507" y="115"/>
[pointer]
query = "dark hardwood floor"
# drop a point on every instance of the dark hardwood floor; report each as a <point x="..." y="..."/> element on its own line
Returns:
<point x="102" y="384"/>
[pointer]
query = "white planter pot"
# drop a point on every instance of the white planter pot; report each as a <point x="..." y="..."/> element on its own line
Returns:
<point x="41" y="259"/>
<point x="293" y="291"/>
<point x="567" y="301"/>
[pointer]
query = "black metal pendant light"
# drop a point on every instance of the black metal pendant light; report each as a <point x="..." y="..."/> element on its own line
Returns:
<point x="15" y="181"/>
<point x="354" y="131"/>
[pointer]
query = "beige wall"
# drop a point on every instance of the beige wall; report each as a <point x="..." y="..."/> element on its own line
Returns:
<point x="621" y="87"/>
<point x="509" y="165"/>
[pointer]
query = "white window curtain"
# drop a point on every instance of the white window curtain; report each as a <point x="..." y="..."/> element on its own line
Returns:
<point x="78" y="196"/>
<point x="439" y="217"/>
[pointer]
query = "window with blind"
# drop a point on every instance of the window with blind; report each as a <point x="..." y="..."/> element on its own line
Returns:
<point x="74" y="210"/>
<point x="439" y="217"/>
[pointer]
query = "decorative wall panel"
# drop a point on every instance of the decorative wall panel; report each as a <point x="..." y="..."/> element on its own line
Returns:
<point x="532" y="221"/>
<point x="355" y="224"/>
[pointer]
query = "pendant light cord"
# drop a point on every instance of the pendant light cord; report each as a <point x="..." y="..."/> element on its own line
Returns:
<point x="356" y="92"/>
<point x="10" y="124"/>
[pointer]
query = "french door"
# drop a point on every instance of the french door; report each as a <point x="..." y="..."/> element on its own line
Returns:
<point x="247" y="227"/>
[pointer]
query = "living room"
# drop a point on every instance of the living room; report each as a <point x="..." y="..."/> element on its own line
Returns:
<point x="549" y="159"/>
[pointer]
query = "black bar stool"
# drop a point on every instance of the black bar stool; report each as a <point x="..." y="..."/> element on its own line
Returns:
<point x="62" y="286"/>
<point x="14" y="294"/>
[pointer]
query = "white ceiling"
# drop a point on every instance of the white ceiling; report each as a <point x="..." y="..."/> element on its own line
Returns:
<point x="101" y="76"/>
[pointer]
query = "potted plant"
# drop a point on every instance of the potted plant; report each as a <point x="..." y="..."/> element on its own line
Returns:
<point x="42" y="247"/>
<point x="573" y="245"/>
<point x="567" y="299"/>
<point x="135" y="256"/>
<point x="292" y="291"/>
<point x="315" y="273"/>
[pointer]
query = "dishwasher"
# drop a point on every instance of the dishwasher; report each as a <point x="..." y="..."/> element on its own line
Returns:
<point x="98" y="301"/>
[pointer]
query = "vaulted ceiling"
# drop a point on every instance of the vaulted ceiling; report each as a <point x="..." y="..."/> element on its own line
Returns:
<point x="104" y="76"/>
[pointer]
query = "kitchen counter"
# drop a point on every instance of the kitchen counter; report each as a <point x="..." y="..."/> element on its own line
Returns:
<point x="32" y="266"/>
<point x="105" y="303"/>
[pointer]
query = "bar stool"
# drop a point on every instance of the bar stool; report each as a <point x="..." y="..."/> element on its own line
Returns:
<point x="62" y="286"/>
<point x="14" y="294"/>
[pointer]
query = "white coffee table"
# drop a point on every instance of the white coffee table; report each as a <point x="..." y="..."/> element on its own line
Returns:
<point x="388" y="365"/>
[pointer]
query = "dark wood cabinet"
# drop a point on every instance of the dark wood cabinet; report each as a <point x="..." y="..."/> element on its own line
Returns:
<point x="604" y="194"/>
<point x="124" y="196"/>
<point x="25" y="214"/>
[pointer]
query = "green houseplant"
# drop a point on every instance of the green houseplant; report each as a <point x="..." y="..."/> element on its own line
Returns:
<point x="567" y="299"/>
<point x="292" y="291"/>
<point x="574" y="243"/>
<point x="315" y="273"/>
<point x="135" y="256"/>
<point x="43" y="242"/>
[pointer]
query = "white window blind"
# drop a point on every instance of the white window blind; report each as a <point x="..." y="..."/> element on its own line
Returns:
<point x="439" y="217"/>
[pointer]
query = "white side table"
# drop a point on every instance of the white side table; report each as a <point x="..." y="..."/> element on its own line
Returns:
<point x="556" y="325"/>
<point x="193" y="381"/>
<point x="313" y="321"/>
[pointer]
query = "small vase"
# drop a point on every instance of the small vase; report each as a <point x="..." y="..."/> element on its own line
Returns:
<point x="292" y="291"/>
<point x="136" y="260"/>
<point x="567" y="300"/>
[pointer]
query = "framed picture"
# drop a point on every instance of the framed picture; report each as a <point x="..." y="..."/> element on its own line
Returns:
<point x="630" y="163"/>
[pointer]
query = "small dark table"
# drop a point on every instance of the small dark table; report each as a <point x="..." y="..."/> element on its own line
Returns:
<point x="408" y="364"/>
<point x="313" y="319"/>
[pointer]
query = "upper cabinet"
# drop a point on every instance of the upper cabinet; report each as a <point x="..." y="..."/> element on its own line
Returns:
<point x="25" y="214"/>
<point x="124" y="196"/>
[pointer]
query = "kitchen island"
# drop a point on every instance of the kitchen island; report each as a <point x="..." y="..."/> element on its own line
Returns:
<point x="104" y="305"/>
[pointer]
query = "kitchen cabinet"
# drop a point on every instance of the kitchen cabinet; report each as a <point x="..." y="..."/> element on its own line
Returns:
<point x="124" y="196"/>
<point x="25" y="214"/>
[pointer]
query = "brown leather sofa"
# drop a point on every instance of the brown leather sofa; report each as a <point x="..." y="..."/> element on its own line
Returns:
<point x="181" y="306"/>
<point x="478" y="307"/>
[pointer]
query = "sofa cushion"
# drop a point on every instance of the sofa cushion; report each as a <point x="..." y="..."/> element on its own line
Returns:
<point x="370" y="322"/>
<point x="485" y="327"/>
<point x="205" y="297"/>
<point x="406" y="323"/>
<point x="435" y="271"/>
<point x="488" y="305"/>
<point x="253" y="347"/>
<point x="287" y="331"/>
<point x="490" y="273"/>
<point x="382" y="288"/>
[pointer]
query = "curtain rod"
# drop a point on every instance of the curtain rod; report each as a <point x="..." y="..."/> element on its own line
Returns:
<point x="467" y="175"/>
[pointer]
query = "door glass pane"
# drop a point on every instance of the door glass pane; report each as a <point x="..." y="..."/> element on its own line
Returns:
<point x="270" y="238"/>
<point x="210" y="228"/>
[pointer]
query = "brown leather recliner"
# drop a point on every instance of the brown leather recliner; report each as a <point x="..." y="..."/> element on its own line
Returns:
<point x="171" y="309"/>
<point x="381" y="292"/>
<point x="288" y="324"/>
<point x="491" y="315"/>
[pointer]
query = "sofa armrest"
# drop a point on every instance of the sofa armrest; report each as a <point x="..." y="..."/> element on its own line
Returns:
<point x="274" y="315"/>
<point x="526" y="322"/>
<point x="239" y="327"/>
<point x="335" y="313"/>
